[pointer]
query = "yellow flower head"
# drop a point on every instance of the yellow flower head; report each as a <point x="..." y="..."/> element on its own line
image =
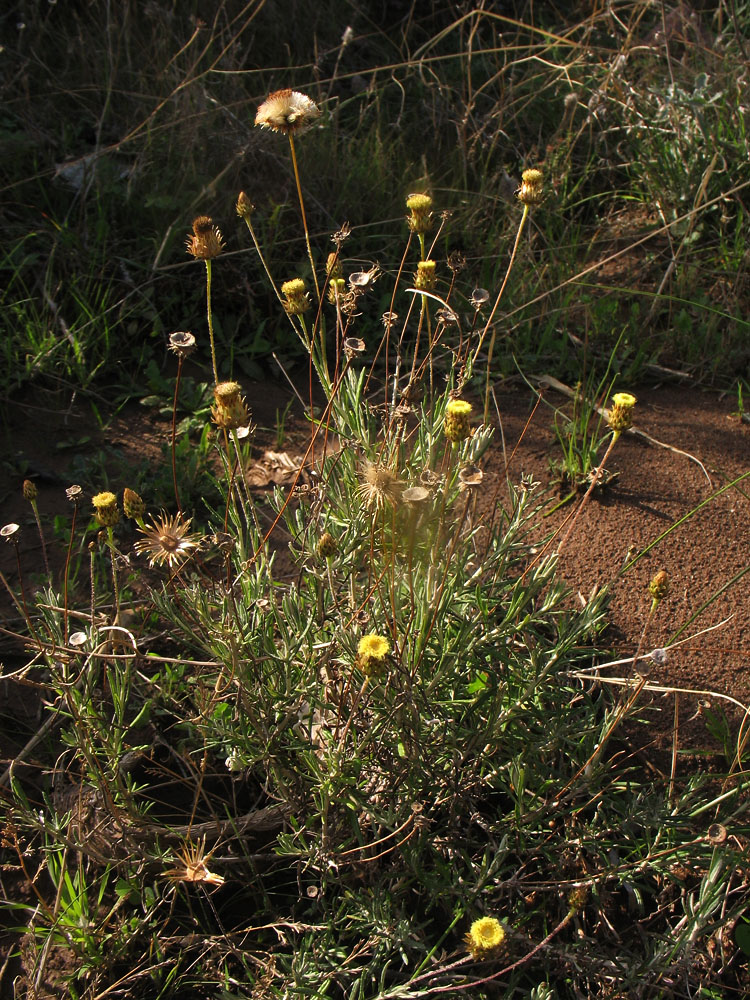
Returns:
<point x="295" y="296"/>
<point x="456" y="425"/>
<point x="621" y="412"/>
<point x="486" y="937"/>
<point x="420" y="209"/>
<point x="372" y="651"/>
<point x="105" y="509"/>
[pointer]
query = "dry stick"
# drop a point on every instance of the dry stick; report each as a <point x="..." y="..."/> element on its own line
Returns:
<point x="304" y="218"/>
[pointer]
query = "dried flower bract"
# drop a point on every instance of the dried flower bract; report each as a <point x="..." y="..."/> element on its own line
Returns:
<point x="287" y="111"/>
<point x="194" y="866"/>
<point x="379" y="486"/>
<point x="205" y="241"/>
<point x="167" y="541"/>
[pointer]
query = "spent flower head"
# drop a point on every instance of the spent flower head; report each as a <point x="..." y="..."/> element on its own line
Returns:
<point x="287" y="111"/>
<point x="193" y="865"/>
<point x="182" y="343"/>
<point x="205" y="242"/>
<point x="167" y="540"/>
<point x="379" y="486"/>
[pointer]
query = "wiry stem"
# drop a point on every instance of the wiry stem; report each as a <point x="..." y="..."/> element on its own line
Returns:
<point x="304" y="217"/>
<point x="210" y="321"/>
<point x="174" y="430"/>
<point x="521" y="224"/>
<point x="594" y="480"/>
<point x="35" y="508"/>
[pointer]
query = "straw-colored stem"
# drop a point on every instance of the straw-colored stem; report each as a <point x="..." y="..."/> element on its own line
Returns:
<point x="262" y="259"/>
<point x="594" y="480"/>
<point x="115" y="579"/>
<point x="521" y="224"/>
<point x="67" y="570"/>
<point x="211" y="322"/>
<point x="35" y="508"/>
<point x="304" y="217"/>
<point x="174" y="433"/>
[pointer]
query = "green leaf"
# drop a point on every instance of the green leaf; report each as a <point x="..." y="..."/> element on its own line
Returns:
<point x="742" y="936"/>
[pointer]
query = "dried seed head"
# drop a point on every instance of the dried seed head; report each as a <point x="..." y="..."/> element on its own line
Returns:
<point x="166" y="540"/>
<point x="244" y="206"/>
<point x="486" y="938"/>
<point x="457" y="261"/>
<point x="341" y="235"/>
<point x="470" y="475"/>
<point x="132" y="504"/>
<point x="621" y="412"/>
<point x="371" y="653"/>
<point x="296" y="300"/>
<point x="388" y="319"/>
<point x="362" y="280"/>
<point x="327" y="546"/>
<point x="182" y="343"/>
<point x="74" y="494"/>
<point x="230" y="409"/>
<point x="379" y="486"/>
<point x="415" y="495"/>
<point x="29" y="490"/>
<point x="425" y="279"/>
<point x="193" y="865"/>
<point x="419" y="219"/>
<point x="105" y="509"/>
<point x="9" y="532"/>
<point x="531" y="191"/>
<point x="287" y="111"/>
<point x="479" y="297"/>
<point x="205" y="242"/>
<point x="456" y="426"/>
<point x="353" y="346"/>
<point x="717" y="833"/>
